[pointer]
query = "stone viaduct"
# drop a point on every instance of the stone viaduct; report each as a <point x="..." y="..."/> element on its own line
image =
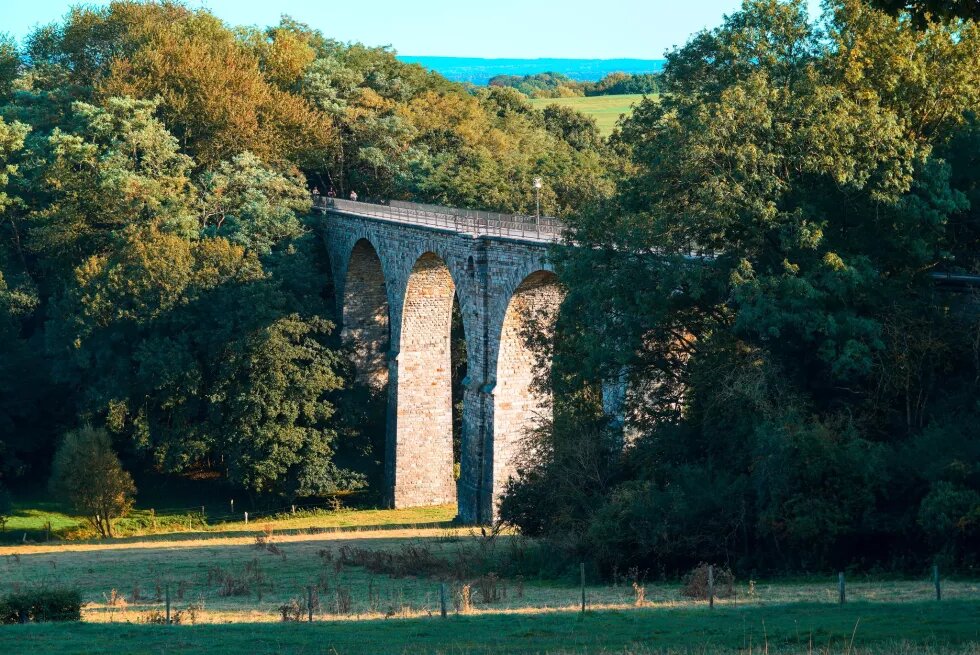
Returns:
<point x="396" y="269"/>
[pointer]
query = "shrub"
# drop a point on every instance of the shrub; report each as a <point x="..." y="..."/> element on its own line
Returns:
<point x="950" y="516"/>
<point x="87" y="473"/>
<point x="410" y="559"/>
<point x="156" y="617"/>
<point x="291" y="611"/>
<point x="264" y="542"/>
<point x="242" y="583"/>
<point x="40" y="605"/>
<point x="486" y="585"/>
<point x="696" y="583"/>
<point x="343" y="601"/>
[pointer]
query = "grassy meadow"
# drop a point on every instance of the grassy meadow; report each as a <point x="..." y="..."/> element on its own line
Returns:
<point x="862" y="628"/>
<point x="605" y="109"/>
<point x="375" y="577"/>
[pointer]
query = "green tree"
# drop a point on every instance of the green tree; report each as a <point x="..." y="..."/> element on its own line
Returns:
<point x="573" y="127"/>
<point x="11" y="142"/>
<point x="25" y="384"/>
<point x="114" y="166"/>
<point x="251" y="204"/>
<point x="763" y="271"/>
<point x="87" y="474"/>
<point x="212" y="90"/>
<point x="9" y="65"/>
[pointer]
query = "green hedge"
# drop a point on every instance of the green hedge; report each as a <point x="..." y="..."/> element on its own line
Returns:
<point x="40" y="605"/>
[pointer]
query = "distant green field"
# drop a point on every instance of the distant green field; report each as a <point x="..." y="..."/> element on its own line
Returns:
<point x="605" y="109"/>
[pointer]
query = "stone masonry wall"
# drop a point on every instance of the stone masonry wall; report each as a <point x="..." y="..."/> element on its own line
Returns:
<point x="421" y="268"/>
<point x="519" y="404"/>
<point x="424" y="442"/>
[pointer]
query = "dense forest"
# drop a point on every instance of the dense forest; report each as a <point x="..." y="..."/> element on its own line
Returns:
<point x="804" y="393"/>
<point x="160" y="276"/>
<point x="761" y="248"/>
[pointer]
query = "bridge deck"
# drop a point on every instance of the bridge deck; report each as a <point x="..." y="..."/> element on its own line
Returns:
<point x="544" y="229"/>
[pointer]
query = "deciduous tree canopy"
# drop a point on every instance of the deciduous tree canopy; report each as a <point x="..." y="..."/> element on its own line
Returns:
<point x="160" y="275"/>
<point x="763" y="273"/>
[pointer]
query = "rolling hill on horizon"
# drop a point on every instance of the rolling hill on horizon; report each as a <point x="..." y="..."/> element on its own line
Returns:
<point x="478" y="70"/>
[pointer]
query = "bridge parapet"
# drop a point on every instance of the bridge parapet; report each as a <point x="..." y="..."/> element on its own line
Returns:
<point x="541" y="229"/>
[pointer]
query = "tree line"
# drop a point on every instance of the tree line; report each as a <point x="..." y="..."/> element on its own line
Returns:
<point x="803" y="394"/>
<point x="558" y="85"/>
<point x="162" y="284"/>
<point x="759" y="260"/>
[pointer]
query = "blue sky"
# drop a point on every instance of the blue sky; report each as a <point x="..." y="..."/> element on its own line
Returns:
<point x="499" y="28"/>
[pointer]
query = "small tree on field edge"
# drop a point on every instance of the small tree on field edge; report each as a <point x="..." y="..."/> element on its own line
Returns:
<point x="87" y="474"/>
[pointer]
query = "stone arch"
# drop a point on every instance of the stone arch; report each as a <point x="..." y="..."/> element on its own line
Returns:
<point x="422" y="459"/>
<point x="366" y="314"/>
<point x="518" y="403"/>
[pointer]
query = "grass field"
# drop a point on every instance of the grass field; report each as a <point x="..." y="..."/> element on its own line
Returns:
<point x="29" y="522"/>
<point x="123" y="583"/>
<point x="605" y="109"/>
<point x="861" y="628"/>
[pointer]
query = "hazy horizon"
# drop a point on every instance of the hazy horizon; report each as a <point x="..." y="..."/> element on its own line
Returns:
<point x="511" y="29"/>
<point x="479" y="70"/>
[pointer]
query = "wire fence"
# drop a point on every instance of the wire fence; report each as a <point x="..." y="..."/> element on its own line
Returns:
<point x="546" y="229"/>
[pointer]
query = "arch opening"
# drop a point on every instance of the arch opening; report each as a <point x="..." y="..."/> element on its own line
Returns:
<point x="457" y="337"/>
<point x="424" y="453"/>
<point x="522" y="395"/>
<point x="366" y="321"/>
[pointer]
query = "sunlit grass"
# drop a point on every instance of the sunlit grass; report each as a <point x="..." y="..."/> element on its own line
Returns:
<point x="145" y="524"/>
<point x="389" y="614"/>
<point x="140" y="568"/>
<point x="605" y="109"/>
<point x="34" y="518"/>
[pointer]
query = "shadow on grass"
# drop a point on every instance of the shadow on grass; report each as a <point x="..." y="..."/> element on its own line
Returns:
<point x="866" y="627"/>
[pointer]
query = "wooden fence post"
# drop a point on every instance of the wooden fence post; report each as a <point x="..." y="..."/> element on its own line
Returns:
<point x="841" y="591"/>
<point x="935" y="579"/>
<point x="711" y="586"/>
<point x="442" y="599"/>
<point x="168" y="602"/>
<point x="309" y="601"/>
<point x="581" y="568"/>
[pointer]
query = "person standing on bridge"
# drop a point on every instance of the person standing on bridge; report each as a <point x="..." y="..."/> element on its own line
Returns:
<point x="353" y="195"/>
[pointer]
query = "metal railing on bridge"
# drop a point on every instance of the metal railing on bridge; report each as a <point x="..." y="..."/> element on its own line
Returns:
<point x="465" y="221"/>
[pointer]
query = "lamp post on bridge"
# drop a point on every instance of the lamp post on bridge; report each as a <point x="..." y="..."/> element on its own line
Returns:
<point x="537" y="184"/>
